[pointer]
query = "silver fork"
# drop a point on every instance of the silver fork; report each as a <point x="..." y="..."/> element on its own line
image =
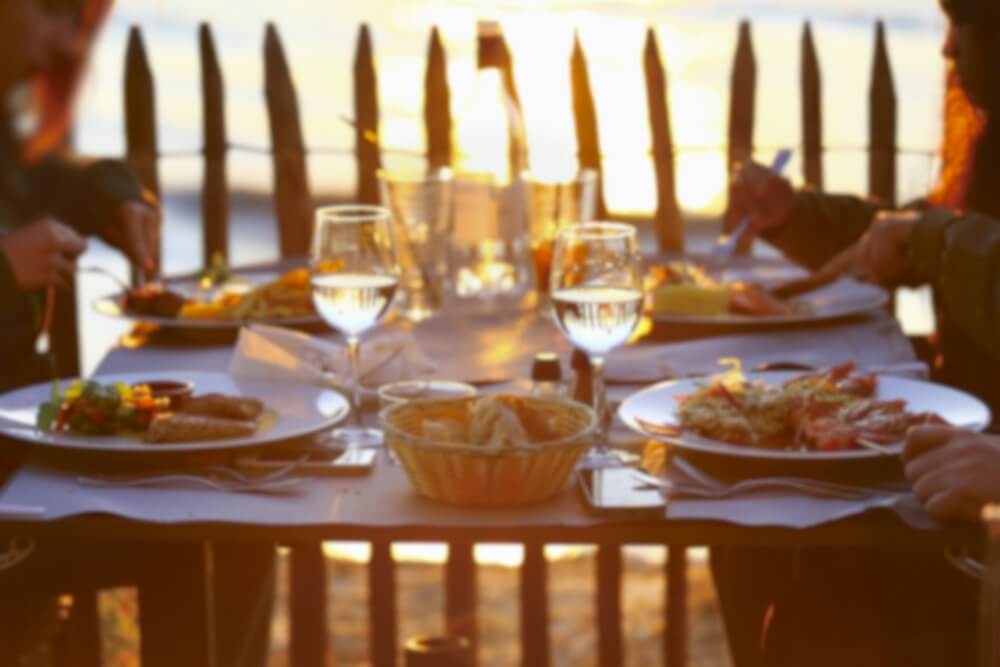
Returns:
<point x="237" y="482"/>
<point x="190" y="480"/>
<point x="807" y="486"/>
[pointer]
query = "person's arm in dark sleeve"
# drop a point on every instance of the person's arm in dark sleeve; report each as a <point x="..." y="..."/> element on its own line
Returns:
<point x="819" y="225"/>
<point x="84" y="195"/>
<point x="960" y="256"/>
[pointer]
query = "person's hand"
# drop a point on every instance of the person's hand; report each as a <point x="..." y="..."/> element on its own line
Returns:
<point x="42" y="254"/>
<point x="953" y="472"/>
<point x="136" y="232"/>
<point x="760" y="195"/>
<point x="883" y="254"/>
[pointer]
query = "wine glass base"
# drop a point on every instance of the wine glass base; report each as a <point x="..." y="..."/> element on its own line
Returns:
<point x="355" y="437"/>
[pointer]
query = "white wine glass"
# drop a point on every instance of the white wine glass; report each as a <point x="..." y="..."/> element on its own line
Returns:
<point x="596" y="291"/>
<point x="354" y="274"/>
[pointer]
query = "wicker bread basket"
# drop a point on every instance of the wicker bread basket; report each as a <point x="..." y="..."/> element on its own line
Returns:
<point x="469" y="474"/>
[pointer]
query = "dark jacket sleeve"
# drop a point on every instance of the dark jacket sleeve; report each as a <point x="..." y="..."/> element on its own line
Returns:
<point x="821" y="225"/>
<point x="84" y="195"/>
<point x="960" y="256"/>
<point x="8" y="284"/>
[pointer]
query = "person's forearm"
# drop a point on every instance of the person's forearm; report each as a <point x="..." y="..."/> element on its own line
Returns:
<point x="819" y="226"/>
<point x="86" y="196"/>
<point x="960" y="256"/>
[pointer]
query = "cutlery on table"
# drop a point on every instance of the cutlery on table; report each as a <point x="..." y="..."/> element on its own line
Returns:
<point x="725" y="246"/>
<point x="226" y="486"/>
<point x="811" y="487"/>
<point x="217" y="477"/>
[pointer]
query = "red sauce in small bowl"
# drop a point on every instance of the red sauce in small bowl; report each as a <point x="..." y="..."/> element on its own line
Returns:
<point x="178" y="392"/>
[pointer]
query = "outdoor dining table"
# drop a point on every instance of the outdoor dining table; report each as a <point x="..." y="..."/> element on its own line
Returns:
<point x="381" y="507"/>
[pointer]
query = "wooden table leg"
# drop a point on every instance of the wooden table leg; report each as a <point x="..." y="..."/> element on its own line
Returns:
<point x="676" y="607"/>
<point x="175" y="604"/>
<point x="308" y="588"/>
<point x="460" y="594"/>
<point x="535" y="651"/>
<point x="382" y="606"/>
<point x="609" y="606"/>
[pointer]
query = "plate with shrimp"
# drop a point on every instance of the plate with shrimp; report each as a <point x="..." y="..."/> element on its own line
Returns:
<point x="834" y="414"/>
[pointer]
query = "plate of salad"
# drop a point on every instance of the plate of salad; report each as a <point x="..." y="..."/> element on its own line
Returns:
<point x="123" y="414"/>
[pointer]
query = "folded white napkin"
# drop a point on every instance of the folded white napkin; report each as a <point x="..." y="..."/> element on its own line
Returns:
<point x="282" y="354"/>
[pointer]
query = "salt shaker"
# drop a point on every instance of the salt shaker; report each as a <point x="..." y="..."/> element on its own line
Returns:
<point x="546" y="376"/>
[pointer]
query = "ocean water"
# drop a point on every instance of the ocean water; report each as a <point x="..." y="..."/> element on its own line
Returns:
<point x="696" y="39"/>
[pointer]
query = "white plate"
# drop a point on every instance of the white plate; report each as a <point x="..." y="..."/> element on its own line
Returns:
<point x="301" y="410"/>
<point x="113" y="305"/>
<point x="842" y="298"/>
<point x="657" y="404"/>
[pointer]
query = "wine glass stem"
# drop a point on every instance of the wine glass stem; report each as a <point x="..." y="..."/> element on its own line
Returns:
<point x="353" y="357"/>
<point x="600" y="402"/>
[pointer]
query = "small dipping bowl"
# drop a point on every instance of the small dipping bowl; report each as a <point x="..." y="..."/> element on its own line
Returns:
<point x="396" y="393"/>
<point x="178" y="392"/>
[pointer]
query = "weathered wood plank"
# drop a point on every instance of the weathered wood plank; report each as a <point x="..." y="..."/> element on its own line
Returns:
<point x="585" y="116"/>
<point x="882" y="124"/>
<point x="182" y="602"/>
<point x="669" y="226"/>
<point x="742" y="102"/>
<point x="140" y="113"/>
<point x="519" y="159"/>
<point x="535" y="645"/>
<point x="78" y="644"/>
<point x="812" y="112"/>
<point x="292" y="198"/>
<point x="742" y="98"/>
<point x="382" y="624"/>
<point x="611" y="650"/>
<point x="675" y="637"/>
<point x="215" y="190"/>
<point x="307" y="593"/>
<point x="366" y="138"/>
<point x="460" y="594"/>
<point x="437" y="104"/>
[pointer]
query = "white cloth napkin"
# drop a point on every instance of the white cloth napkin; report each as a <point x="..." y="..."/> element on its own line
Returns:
<point x="282" y="354"/>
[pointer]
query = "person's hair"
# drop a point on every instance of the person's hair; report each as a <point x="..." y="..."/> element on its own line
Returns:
<point x="55" y="90"/>
<point x="970" y="152"/>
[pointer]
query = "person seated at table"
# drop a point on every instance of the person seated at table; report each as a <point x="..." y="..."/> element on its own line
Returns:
<point x="868" y="606"/>
<point x="48" y="203"/>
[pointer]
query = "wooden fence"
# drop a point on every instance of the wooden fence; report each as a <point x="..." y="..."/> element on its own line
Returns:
<point x="293" y="210"/>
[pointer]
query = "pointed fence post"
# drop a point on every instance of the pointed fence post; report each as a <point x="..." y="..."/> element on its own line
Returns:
<point x="742" y="100"/>
<point x="882" y="124"/>
<point x="292" y="198"/>
<point x="669" y="226"/>
<point x="366" y="138"/>
<point x="812" y="112"/>
<point x="215" y="190"/>
<point x="585" y="116"/>
<point x="437" y="104"/>
<point x="140" y="113"/>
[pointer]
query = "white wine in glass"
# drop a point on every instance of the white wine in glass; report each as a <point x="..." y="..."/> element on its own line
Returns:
<point x="596" y="290"/>
<point x="355" y="272"/>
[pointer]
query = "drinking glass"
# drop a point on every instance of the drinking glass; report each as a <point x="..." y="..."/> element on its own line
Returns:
<point x="596" y="291"/>
<point x="421" y="204"/>
<point x="552" y="206"/>
<point x="355" y="272"/>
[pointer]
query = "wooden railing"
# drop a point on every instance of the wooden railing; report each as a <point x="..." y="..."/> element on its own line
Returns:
<point x="293" y="208"/>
